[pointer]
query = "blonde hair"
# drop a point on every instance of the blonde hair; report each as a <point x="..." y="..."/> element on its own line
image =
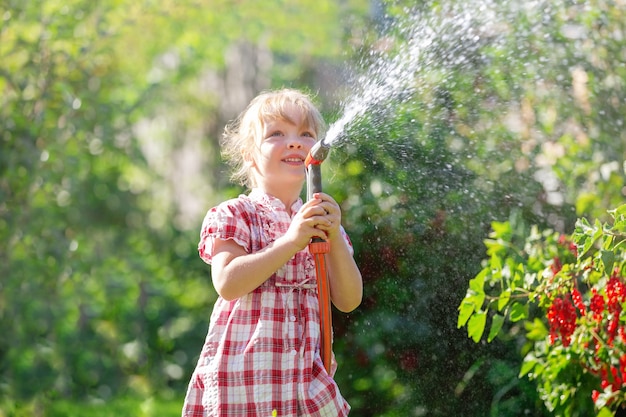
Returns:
<point x="240" y="136"/>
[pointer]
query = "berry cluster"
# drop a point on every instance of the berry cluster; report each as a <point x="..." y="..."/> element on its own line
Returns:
<point x="577" y="298"/>
<point x="615" y="293"/>
<point x="605" y="307"/>
<point x="596" y="305"/>
<point x="612" y="378"/>
<point x="578" y="285"/>
<point x="615" y="296"/>
<point x="561" y="313"/>
<point x="562" y="319"/>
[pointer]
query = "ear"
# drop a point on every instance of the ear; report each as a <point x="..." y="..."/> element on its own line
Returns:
<point x="248" y="159"/>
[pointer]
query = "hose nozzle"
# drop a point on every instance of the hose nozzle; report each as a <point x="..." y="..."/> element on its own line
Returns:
<point x="317" y="154"/>
<point x="313" y="167"/>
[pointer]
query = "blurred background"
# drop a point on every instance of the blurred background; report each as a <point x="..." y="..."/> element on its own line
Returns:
<point x="110" y="116"/>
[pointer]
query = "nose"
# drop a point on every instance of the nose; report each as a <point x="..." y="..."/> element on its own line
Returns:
<point x="295" y="143"/>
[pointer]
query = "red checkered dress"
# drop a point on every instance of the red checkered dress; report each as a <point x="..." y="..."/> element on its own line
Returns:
<point x="262" y="351"/>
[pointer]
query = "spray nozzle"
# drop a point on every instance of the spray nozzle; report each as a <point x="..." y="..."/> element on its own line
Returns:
<point x="313" y="167"/>
<point x="317" y="154"/>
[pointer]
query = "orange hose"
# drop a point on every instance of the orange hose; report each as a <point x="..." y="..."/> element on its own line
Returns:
<point x="319" y="249"/>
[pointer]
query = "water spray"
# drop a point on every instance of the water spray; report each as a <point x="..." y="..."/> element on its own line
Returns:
<point x="319" y="248"/>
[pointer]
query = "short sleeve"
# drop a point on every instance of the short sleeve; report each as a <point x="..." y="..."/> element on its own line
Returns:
<point x="228" y="220"/>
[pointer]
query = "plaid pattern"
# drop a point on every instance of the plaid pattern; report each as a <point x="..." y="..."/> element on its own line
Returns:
<point x="262" y="351"/>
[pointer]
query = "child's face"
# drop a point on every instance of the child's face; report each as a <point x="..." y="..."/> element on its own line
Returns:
<point x="280" y="153"/>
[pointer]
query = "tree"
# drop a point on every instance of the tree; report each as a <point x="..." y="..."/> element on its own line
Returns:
<point x="102" y="293"/>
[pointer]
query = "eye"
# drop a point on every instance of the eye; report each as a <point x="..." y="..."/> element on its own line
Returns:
<point x="308" y="134"/>
<point x="275" y="133"/>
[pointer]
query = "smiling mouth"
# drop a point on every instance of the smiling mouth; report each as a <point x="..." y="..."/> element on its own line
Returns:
<point x="293" y="160"/>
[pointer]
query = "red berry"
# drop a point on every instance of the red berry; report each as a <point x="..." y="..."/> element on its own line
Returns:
<point x="595" y="394"/>
<point x="577" y="298"/>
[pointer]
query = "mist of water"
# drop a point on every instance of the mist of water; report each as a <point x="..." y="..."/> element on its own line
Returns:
<point x="417" y="51"/>
<point x="419" y="57"/>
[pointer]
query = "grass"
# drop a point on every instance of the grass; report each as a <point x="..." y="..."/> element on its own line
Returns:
<point x="118" y="407"/>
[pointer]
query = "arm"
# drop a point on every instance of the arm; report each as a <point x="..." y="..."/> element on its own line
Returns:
<point x="346" y="284"/>
<point x="236" y="272"/>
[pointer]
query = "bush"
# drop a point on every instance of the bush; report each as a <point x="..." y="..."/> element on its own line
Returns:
<point x="566" y="297"/>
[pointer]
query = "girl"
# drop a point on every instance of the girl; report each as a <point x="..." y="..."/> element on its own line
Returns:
<point x="261" y="356"/>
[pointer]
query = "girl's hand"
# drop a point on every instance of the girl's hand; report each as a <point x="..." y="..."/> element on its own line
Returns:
<point x="346" y="284"/>
<point x="318" y="217"/>
<point x="326" y="208"/>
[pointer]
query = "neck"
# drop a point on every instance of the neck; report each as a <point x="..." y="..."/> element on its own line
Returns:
<point x="288" y="195"/>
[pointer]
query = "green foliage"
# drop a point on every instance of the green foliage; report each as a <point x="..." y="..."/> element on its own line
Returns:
<point x="102" y="295"/>
<point x="406" y="198"/>
<point x="574" y="344"/>
<point x="498" y="138"/>
<point x="148" y="407"/>
<point x="101" y="291"/>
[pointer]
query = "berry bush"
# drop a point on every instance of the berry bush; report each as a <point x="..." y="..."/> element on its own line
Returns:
<point x="563" y="297"/>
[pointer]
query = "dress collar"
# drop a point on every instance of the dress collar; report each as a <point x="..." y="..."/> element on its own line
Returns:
<point x="260" y="196"/>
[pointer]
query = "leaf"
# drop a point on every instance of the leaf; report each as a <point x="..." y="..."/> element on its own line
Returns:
<point x="528" y="365"/>
<point x="608" y="259"/>
<point x="493" y="246"/>
<point x="619" y="219"/>
<point x="619" y="214"/>
<point x="605" y="412"/>
<point x="536" y="330"/>
<point x="474" y="298"/>
<point x="479" y="299"/>
<point x="505" y="296"/>
<point x="519" y="277"/>
<point x="466" y="309"/>
<point x="588" y="235"/>
<point x="496" y="324"/>
<point x="477" y="283"/>
<point x="496" y="267"/>
<point x="476" y="326"/>
<point x="518" y="312"/>
<point x="501" y="229"/>
<point x="585" y="235"/>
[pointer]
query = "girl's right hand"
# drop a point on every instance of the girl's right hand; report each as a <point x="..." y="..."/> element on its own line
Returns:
<point x="304" y="225"/>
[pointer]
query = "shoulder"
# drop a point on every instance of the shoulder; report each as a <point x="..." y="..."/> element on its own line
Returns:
<point x="239" y="211"/>
<point x="239" y="204"/>
<point x="231" y="219"/>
